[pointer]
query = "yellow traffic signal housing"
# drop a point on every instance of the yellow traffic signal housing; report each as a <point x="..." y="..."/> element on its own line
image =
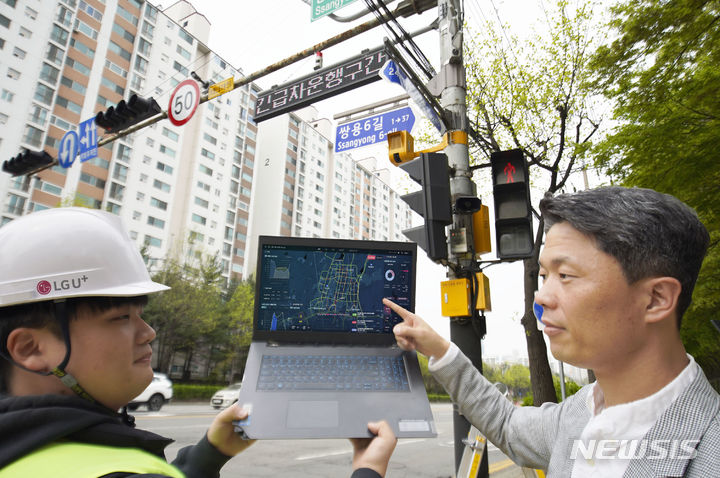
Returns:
<point x="481" y="230"/>
<point x="401" y="147"/>
<point x="483" y="293"/>
<point x="455" y="298"/>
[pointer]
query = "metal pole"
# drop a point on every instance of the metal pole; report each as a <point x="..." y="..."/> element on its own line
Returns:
<point x="562" y="381"/>
<point x="451" y="80"/>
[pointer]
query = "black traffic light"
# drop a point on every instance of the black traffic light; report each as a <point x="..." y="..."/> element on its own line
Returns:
<point x="27" y="162"/>
<point x="126" y="114"/>
<point x="513" y="212"/>
<point x="432" y="202"/>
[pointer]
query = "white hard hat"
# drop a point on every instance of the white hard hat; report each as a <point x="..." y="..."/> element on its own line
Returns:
<point x="69" y="252"/>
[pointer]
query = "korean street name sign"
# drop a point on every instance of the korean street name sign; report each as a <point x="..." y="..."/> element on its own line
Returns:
<point x="372" y="130"/>
<point x="326" y="83"/>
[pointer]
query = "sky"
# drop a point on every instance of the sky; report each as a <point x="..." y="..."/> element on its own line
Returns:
<point x="251" y="35"/>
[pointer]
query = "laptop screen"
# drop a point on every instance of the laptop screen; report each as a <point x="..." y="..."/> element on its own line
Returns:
<point x="328" y="287"/>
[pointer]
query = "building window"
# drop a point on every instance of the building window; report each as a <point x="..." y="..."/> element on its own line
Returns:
<point x="161" y="186"/>
<point x="153" y="221"/>
<point x="158" y="203"/>
<point x="43" y="94"/>
<point x="164" y="167"/>
<point x="33" y="136"/>
<point x="152" y="241"/>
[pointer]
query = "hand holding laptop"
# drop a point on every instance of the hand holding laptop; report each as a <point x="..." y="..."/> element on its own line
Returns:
<point x="413" y="333"/>
<point x="374" y="453"/>
<point x="222" y="434"/>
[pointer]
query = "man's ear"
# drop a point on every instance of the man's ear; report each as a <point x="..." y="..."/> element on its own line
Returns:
<point x="30" y="348"/>
<point x="663" y="298"/>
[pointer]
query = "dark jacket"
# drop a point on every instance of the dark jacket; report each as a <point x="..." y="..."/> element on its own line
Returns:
<point x="28" y="423"/>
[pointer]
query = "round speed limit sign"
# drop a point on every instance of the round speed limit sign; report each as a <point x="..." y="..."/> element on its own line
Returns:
<point x="183" y="102"/>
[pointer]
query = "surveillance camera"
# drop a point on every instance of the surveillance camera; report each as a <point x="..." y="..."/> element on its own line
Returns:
<point x="467" y="204"/>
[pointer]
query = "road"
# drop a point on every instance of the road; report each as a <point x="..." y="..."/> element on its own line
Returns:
<point x="416" y="458"/>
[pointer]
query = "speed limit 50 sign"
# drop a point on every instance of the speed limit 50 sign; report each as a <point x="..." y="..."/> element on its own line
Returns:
<point x="183" y="102"/>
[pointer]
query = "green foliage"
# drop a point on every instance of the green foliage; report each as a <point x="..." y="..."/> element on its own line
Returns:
<point x="663" y="74"/>
<point x="432" y="386"/>
<point x="517" y="378"/>
<point x="195" y="316"/>
<point x="188" y="391"/>
<point x="532" y="95"/>
<point x="439" y="397"/>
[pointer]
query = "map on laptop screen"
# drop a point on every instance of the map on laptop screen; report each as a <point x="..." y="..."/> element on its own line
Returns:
<point x="331" y="289"/>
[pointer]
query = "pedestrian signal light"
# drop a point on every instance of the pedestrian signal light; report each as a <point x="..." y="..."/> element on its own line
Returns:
<point x="127" y="113"/>
<point x="431" y="171"/>
<point x="513" y="211"/>
<point x="27" y="162"/>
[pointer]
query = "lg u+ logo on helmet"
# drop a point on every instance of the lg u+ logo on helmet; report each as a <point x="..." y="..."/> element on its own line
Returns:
<point x="45" y="287"/>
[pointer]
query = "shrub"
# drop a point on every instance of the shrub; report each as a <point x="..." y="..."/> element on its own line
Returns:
<point x="191" y="391"/>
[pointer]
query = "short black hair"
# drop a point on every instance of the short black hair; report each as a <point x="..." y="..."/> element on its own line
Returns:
<point x="649" y="233"/>
<point x="37" y="315"/>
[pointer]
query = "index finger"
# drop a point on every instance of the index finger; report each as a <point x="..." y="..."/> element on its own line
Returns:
<point x="402" y="312"/>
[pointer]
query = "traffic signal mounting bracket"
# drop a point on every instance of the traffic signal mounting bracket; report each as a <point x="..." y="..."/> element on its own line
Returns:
<point x="401" y="147"/>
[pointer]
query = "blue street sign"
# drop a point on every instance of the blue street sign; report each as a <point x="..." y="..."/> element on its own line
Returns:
<point x="394" y="74"/>
<point x="88" y="140"/>
<point x="68" y="149"/>
<point x="372" y="130"/>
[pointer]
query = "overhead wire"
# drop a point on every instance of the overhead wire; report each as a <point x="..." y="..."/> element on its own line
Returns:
<point x="389" y="22"/>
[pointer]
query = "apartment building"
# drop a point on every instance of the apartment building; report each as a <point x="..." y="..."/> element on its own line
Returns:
<point x="182" y="191"/>
<point x="302" y="188"/>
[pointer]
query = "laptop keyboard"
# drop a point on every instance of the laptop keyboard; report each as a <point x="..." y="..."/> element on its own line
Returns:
<point x="332" y="372"/>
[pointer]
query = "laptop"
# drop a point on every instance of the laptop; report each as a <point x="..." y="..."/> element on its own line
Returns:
<point x="323" y="361"/>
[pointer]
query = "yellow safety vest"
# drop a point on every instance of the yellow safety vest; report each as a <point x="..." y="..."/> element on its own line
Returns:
<point x="80" y="460"/>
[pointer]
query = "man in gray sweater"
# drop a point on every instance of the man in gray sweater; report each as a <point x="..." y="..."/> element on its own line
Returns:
<point x="618" y="270"/>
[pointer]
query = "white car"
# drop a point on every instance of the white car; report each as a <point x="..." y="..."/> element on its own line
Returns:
<point x="226" y="397"/>
<point x="158" y="393"/>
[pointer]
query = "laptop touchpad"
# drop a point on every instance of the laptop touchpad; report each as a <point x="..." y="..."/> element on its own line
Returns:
<point x="312" y="414"/>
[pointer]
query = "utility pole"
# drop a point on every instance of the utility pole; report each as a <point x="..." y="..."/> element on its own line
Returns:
<point x="465" y="332"/>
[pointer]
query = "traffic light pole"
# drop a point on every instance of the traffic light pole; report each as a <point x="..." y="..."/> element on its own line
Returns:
<point x="464" y="332"/>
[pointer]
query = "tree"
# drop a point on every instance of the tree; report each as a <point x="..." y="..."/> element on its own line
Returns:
<point x="185" y="315"/>
<point x="662" y="73"/>
<point x="532" y="96"/>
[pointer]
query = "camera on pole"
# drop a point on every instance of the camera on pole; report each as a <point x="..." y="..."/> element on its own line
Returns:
<point x="126" y="114"/>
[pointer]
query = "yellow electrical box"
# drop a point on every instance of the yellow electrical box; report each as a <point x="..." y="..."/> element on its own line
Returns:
<point x="481" y="230"/>
<point x="455" y="298"/>
<point x="401" y="147"/>
<point x="483" y="296"/>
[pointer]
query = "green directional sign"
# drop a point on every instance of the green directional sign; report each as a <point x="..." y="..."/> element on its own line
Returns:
<point x="320" y="8"/>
